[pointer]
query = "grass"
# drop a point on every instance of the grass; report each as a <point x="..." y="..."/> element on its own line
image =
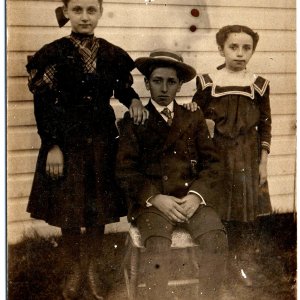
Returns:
<point x="36" y="270"/>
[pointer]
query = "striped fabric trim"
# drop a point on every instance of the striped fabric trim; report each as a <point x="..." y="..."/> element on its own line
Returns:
<point x="205" y="81"/>
<point x="265" y="145"/>
<point x="261" y="85"/>
<point x="166" y="54"/>
<point x="232" y="92"/>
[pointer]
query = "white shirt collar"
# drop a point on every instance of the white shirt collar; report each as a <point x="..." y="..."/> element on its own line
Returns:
<point x="159" y="108"/>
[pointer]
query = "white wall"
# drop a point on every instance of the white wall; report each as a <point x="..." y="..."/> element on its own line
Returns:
<point x="138" y="27"/>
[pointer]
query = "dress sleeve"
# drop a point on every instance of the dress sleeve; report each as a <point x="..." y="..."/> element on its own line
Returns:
<point x="123" y="90"/>
<point x="265" y="121"/>
<point x="200" y="97"/>
<point x="42" y="83"/>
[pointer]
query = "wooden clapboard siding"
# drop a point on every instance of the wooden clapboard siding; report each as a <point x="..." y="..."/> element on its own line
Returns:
<point x="277" y="62"/>
<point x="167" y="16"/>
<point x="23" y="162"/>
<point x="232" y="3"/>
<point x="21" y="112"/>
<point x="281" y="125"/>
<point x="32" y="24"/>
<point x="280" y="84"/>
<point x="28" y="38"/>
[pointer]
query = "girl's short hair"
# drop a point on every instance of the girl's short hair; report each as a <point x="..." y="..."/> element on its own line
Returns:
<point x="223" y="33"/>
<point x="65" y="2"/>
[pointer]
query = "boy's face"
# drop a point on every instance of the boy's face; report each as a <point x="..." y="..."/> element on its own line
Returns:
<point x="84" y="15"/>
<point x="163" y="85"/>
<point x="237" y="50"/>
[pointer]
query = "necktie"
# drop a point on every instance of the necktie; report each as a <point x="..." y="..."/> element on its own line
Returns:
<point x="168" y="114"/>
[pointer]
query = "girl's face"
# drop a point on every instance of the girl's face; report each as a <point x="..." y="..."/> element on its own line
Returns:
<point x="237" y="50"/>
<point x="84" y="15"/>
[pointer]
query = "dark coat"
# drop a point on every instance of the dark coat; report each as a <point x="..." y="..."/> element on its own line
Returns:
<point x="157" y="159"/>
<point x="77" y="117"/>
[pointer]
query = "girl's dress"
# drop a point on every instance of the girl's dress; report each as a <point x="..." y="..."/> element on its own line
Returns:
<point x="73" y="79"/>
<point x="238" y="103"/>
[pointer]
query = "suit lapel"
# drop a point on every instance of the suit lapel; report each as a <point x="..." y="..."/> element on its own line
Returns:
<point x="156" y="122"/>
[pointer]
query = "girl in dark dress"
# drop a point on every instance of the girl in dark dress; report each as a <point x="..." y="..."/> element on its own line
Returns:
<point x="72" y="80"/>
<point x="237" y="101"/>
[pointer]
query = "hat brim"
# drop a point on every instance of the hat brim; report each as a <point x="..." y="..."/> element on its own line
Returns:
<point x="144" y="64"/>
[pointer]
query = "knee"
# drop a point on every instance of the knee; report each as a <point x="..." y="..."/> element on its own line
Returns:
<point x="214" y="241"/>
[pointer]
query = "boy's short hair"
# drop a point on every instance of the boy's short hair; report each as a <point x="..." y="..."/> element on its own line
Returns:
<point x="162" y="65"/>
<point x="65" y="2"/>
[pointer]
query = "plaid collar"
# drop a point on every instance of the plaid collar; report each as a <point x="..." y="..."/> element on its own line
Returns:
<point x="88" y="48"/>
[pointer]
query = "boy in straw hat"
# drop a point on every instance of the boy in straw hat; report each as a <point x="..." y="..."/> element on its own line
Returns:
<point x="168" y="169"/>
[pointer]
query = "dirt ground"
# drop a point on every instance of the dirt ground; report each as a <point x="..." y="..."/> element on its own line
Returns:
<point x="35" y="268"/>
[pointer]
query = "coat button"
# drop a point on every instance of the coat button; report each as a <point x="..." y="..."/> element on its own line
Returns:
<point x="165" y="177"/>
<point x="87" y="98"/>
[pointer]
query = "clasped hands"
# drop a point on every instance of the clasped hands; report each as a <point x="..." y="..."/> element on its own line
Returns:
<point x="178" y="210"/>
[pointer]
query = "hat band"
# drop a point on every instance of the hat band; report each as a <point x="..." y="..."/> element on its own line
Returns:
<point x="167" y="55"/>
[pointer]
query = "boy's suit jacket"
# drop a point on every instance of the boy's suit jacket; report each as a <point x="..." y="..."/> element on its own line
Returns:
<point x="155" y="158"/>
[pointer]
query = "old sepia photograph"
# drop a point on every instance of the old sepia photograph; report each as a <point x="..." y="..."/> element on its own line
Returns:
<point x="151" y="149"/>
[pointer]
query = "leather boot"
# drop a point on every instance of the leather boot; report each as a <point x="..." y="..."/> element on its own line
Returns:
<point x="94" y="242"/>
<point x="212" y="258"/>
<point x="96" y="286"/>
<point x="237" y="270"/>
<point x="242" y="242"/>
<point x="71" y="249"/>
<point x="72" y="283"/>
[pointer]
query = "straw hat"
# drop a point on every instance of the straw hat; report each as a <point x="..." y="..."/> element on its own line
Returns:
<point x="165" y="58"/>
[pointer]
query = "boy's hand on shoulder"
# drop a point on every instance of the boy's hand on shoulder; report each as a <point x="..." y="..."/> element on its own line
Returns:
<point x="190" y="204"/>
<point x="192" y="106"/>
<point x="55" y="162"/>
<point x="138" y="112"/>
<point x="170" y="206"/>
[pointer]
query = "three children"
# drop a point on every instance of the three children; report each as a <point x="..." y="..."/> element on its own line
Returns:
<point x="73" y="79"/>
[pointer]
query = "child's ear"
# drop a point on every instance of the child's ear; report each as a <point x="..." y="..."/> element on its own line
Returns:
<point x="179" y="86"/>
<point x="221" y="51"/>
<point x="147" y="85"/>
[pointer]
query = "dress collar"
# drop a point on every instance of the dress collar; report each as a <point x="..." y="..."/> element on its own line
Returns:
<point x="225" y="77"/>
<point x="224" y="85"/>
<point x="81" y="37"/>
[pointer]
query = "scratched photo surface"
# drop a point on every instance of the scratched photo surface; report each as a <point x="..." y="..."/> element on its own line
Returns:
<point x="35" y="268"/>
